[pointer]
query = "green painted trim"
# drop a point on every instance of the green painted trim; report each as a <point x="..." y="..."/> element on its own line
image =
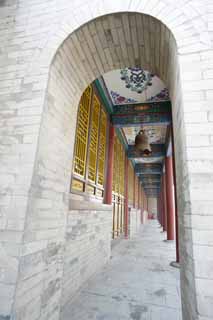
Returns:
<point x="103" y="97"/>
<point x="109" y="110"/>
<point x="149" y="107"/>
<point x="120" y="137"/>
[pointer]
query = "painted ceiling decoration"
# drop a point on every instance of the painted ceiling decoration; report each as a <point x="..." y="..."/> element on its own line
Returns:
<point x="148" y="160"/>
<point x="139" y="100"/>
<point x="134" y="85"/>
<point x="136" y="79"/>
<point x="118" y="99"/>
<point x="156" y="134"/>
<point x="161" y="96"/>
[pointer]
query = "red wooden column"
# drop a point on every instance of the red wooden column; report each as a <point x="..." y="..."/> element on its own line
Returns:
<point x="108" y="192"/>
<point x="142" y="207"/>
<point x="139" y="193"/>
<point x="134" y="191"/>
<point x="158" y="203"/>
<point x="161" y="203"/>
<point x="176" y="210"/>
<point x="164" y="202"/>
<point x="170" y="199"/>
<point x="176" y="213"/>
<point x="161" y="212"/>
<point x="126" y="208"/>
<point x="162" y="206"/>
<point x="158" y="207"/>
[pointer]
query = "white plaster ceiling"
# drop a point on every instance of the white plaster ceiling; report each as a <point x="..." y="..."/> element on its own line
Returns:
<point x="148" y="160"/>
<point x="123" y="85"/>
<point x="156" y="134"/>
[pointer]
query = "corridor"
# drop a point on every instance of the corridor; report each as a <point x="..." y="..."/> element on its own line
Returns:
<point x="137" y="284"/>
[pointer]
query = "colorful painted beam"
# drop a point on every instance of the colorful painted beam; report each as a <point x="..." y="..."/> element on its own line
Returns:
<point x="152" y="192"/>
<point x="151" y="183"/>
<point x="155" y="184"/>
<point x="151" y="107"/>
<point x="148" y="167"/>
<point x="130" y="120"/>
<point x="151" y="189"/>
<point x="147" y="177"/>
<point x="158" y="150"/>
<point x="151" y="178"/>
<point x="149" y="172"/>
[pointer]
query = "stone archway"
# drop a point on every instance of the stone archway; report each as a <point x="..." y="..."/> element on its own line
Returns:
<point x="45" y="191"/>
<point x="108" y="43"/>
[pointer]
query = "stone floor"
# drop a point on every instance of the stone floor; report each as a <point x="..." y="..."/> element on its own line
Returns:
<point x="137" y="284"/>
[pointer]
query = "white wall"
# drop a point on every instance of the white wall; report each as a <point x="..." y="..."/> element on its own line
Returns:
<point x="152" y="205"/>
<point x="36" y="135"/>
<point x="134" y="221"/>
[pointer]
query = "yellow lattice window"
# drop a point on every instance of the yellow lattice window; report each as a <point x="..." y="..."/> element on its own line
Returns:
<point x="82" y="133"/>
<point x="121" y="171"/>
<point x="93" y="145"/>
<point x="118" y="187"/>
<point x="114" y="165"/>
<point x="130" y="182"/>
<point x="102" y="147"/>
<point x="117" y="167"/>
<point x="136" y="192"/>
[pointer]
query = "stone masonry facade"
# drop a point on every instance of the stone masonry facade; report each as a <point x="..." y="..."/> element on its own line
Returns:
<point x="135" y="221"/>
<point x="50" y="51"/>
<point x="87" y="245"/>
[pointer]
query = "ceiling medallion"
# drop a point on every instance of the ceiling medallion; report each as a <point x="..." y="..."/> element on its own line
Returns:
<point x="136" y="79"/>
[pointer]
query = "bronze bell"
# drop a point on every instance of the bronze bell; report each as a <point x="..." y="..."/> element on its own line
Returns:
<point x="142" y="143"/>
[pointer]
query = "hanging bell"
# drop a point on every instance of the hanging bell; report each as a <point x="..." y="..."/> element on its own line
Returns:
<point x="142" y="143"/>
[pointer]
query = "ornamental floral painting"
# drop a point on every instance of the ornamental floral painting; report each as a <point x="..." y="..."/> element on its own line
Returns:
<point x="134" y="85"/>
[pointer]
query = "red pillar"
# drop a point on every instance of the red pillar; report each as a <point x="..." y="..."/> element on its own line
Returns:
<point x="142" y="208"/>
<point x="164" y="204"/>
<point x="160" y="213"/>
<point x="159" y="218"/>
<point x="126" y="215"/>
<point x="139" y="196"/>
<point x="176" y="210"/>
<point x="176" y="213"/>
<point x="161" y="203"/>
<point x="108" y="194"/>
<point x="158" y="208"/>
<point x="134" y="191"/>
<point x="170" y="199"/>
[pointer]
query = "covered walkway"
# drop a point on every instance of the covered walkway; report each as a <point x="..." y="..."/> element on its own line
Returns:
<point x="137" y="284"/>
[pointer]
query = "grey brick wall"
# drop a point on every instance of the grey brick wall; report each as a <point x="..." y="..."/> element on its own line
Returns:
<point x="87" y="245"/>
<point x="134" y="221"/>
<point x="38" y="120"/>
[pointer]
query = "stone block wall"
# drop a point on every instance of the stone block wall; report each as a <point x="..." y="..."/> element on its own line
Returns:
<point x="134" y="221"/>
<point x="87" y="244"/>
<point x="145" y="216"/>
<point x="38" y="124"/>
<point x="152" y="205"/>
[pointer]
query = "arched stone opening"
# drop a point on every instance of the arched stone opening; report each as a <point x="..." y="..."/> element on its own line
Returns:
<point x="107" y="43"/>
<point x="46" y="194"/>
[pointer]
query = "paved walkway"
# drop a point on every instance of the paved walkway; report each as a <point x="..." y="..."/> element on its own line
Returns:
<point x="137" y="284"/>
